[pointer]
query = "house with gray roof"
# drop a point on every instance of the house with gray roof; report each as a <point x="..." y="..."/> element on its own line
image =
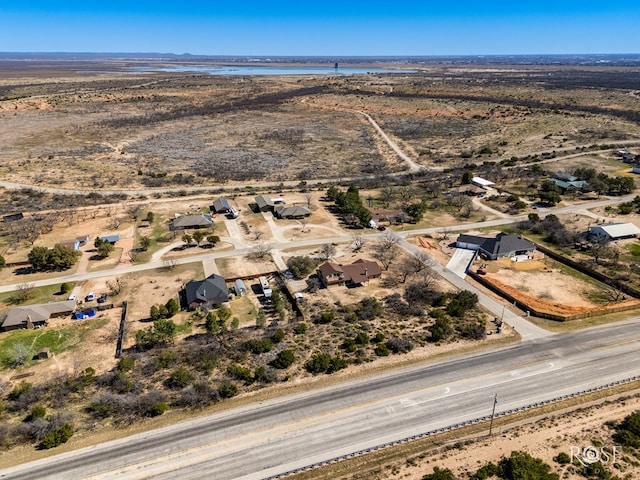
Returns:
<point x="264" y="203"/>
<point x="201" y="220"/>
<point x="295" y="211"/>
<point x="221" y="205"/>
<point x="33" y="316"/>
<point x="500" y="246"/>
<point x="208" y="293"/>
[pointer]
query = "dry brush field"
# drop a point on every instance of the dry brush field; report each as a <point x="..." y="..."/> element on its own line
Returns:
<point x="151" y="130"/>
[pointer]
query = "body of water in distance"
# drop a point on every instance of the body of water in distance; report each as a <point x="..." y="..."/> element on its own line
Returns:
<point x="266" y="70"/>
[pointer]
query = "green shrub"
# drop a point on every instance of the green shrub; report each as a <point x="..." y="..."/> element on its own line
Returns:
<point x="301" y="266"/>
<point x="22" y="387"/>
<point x="562" y="458"/>
<point x="349" y="345"/>
<point x="325" y="317"/>
<point x="521" y="465"/>
<point x="337" y="363"/>
<point x="157" y="409"/>
<point x="300" y="328"/>
<point x="240" y="373"/>
<point x="228" y="390"/>
<point x="278" y="336"/>
<point x="628" y="433"/>
<point x="165" y="359"/>
<point x="382" y="350"/>
<point x="172" y="307"/>
<point x="285" y="359"/>
<point x="180" y="378"/>
<point x="37" y="411"/>
<point x="260" y="374"/>
<point x="125" y="364"/>
<point x="257" y="347"/>
<point x="318" y="363"/>
<point x="440" y="474"/>
<point x="57" y="437"/>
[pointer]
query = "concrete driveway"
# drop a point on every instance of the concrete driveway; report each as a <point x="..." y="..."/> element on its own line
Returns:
<point x="460" y="261"/>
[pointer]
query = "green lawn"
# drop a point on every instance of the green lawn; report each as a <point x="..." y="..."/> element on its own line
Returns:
<point x="50" y="293"/>
<point x="57" y="339"/>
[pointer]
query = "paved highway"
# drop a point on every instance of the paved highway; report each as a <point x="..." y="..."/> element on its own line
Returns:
<point x="294" y="431"/>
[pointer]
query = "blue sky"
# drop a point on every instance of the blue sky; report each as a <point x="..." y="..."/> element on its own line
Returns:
<point x="321" y="27"/>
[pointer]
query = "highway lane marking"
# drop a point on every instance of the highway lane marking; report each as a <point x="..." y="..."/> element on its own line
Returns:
<point x="218" y="447"/>
<point x="634" y="343"/>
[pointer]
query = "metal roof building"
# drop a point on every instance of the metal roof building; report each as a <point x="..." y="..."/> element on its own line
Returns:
<point x="613" y="231"/>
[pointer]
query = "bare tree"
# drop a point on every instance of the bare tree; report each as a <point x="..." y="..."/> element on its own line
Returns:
<point x="389" y="239"/>
<point x="24" y="292"/>
<point x="388" y="195"/>
<point x="327" y="251"/>
<point x="445" y="233"/>
<point x="134" y="212"/>
<point x="114" y="222"/>
<point x="19" y="355"/>
<point x="357" y="243"/>
<point x="133" y="255"/>
<point x="405" y="194"/>
<point x="116" y="286"/>
<point x="260" y="251"/>
<point x="308" y="197"/>
<point x="257" y="234"/>
<point x="385" y="255"/>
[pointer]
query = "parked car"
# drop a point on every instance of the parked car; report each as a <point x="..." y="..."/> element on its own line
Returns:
<point x="102" y="298"/>
<point x="72" y="297"/>
<point x="90" y="297"/>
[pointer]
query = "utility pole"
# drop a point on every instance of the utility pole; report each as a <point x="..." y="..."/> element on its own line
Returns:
<point x="493" y="412"/>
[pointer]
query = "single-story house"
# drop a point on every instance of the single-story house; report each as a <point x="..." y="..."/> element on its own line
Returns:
<point x="627" y="157"/>
<point x="32" y="316"/>
<point x="264" y="203"/>
<point x="355" y="274"/>
<point x="469" y="189"/>
<point x="221" y="205"/>
<point x="481" y="182"/>
<point x="112" y="239"/>
<point x="184" y="222"/>
<point x="83" y="240"/>
<point x="612" y="231"/>
<point x="569" y="183"/>
<point x="292" y="212"/>
<point x="388" y="215"/>
<point x="500" y="246"/>
<point x="208" y="293"/>
<point x="74" y="243"/>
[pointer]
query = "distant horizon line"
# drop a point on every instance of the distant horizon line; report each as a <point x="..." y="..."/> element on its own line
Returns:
<point x="267" y="56"/>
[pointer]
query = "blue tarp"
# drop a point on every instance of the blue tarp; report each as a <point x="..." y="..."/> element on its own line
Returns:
<point x="84" y="314"/>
